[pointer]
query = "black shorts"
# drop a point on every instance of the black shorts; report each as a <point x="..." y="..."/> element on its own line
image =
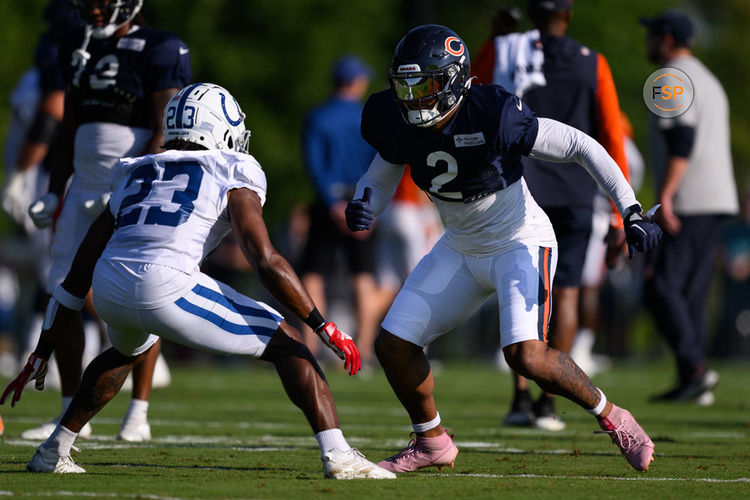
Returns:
<point x="572" y="227"/>
<point x="323" y="241"/>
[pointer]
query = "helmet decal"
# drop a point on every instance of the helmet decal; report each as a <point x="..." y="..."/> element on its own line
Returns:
<point x="181" y="105"/>
<point x="408" y="68"/>
<point x="226" y="115"/>
<point x="454" y="40"/>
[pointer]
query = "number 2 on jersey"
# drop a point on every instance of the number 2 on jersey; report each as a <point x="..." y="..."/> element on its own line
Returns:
<point x="147" y="174"/>
<point x="440" y="180"/>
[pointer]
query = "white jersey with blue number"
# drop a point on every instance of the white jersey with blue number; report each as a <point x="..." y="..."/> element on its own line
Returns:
<point x="170" y="208"/>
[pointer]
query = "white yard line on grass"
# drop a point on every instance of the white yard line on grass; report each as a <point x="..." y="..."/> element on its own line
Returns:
<point x="94" y="494"/>
<point x="499" y="432"/>
<point x="612" y="478"/>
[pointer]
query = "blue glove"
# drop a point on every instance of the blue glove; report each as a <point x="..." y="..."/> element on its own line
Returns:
<point x="359" y="214"/>
<point x="641" y="232"/>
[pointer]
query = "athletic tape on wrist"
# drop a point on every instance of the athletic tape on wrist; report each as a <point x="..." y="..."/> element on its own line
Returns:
<point x="67" y="299"/>
<point x="598" y="409"/>
<point x="426" y="426"/>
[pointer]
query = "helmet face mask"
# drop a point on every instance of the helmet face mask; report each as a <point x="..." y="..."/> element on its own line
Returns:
<point x="429" y="74"/>
<point x="115" y="14"/>
<point x="207" y="115"/>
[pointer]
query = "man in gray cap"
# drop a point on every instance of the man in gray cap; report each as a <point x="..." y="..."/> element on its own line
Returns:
<point x="695" y="185"/>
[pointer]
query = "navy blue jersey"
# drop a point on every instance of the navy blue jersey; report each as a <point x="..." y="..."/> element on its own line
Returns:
<point x="570" y="97"/>
<point x="46" y="60"/>
<point x="115" y="83"/>
<point x="477" y="153"/>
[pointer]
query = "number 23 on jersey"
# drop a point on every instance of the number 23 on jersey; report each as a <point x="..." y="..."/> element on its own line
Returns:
<point x="160" y="189"/>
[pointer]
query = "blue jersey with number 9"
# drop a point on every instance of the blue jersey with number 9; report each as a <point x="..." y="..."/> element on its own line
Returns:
<point x="476" y="154"/>
<point x="170" y="208"/>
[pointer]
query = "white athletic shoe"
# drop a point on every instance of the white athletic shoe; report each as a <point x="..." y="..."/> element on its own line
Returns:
<point x="135" y="432"/>
<point x="706" y="398"/>
<point x="162" y="376"/>
<point x="549" y="423"/>
<point x="43" y="431"/>
<point x="47" y="460"/>
<point x="351" y="464"/>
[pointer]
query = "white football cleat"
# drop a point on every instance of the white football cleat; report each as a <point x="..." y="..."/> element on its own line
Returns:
<point x="162" y="376"/>
<point x="47" y="460"/>
<point x="43" y="431"/>
<point x="351" y="464"/>
<point x="135" y="432"/>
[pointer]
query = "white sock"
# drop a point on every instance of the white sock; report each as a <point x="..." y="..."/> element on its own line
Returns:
<point x="599" y="408"/>
<point x="61" y="440"/>
<point x="330" y="439"/>
<point x="137" y="411"/>
<point x="426" y="426"/>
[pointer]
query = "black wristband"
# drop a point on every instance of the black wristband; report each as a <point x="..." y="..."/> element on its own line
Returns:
<point x="315" y="320"/>
<point x="43" y="129"/>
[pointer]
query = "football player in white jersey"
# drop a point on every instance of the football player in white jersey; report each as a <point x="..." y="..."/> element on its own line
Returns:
<point x="463" y="145"/>
<point x="167" y="213"/>
<point x="118" y="76"/>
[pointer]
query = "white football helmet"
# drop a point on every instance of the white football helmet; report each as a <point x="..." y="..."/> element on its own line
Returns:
<point x="206" y="114"/>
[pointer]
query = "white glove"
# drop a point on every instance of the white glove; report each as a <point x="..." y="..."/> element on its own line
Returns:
<point x="16" y="195"/>
<point x="43" y="209"/>
<point x="95" y="206"/>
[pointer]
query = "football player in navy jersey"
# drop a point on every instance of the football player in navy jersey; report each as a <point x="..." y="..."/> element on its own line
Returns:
<point x="464" y="145"/>
<point x="119" y="75"/>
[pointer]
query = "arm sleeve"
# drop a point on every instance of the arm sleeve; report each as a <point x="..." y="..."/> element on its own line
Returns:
<point x="482" y="66"/>
<point x="557" y="142"/>
<point x="679" y="140"/>
<point x="382" y="177"/>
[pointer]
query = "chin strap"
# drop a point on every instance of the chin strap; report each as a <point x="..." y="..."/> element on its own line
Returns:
<point x="81" y="57"/>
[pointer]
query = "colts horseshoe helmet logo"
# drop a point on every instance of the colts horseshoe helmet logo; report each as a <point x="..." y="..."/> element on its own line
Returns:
<point x="456" y="41"/>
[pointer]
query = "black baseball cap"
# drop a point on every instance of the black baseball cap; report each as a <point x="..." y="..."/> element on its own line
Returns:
<point x="675" y="23"/>
<point x="550" y="5"/>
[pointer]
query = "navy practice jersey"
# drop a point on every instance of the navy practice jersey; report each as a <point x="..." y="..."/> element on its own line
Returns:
<point x="115" y="83"/>
<point x="476" y="154"/>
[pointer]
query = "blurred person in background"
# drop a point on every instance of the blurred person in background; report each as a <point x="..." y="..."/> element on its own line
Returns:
<point x="119" y="74"/>
<point x="560" y="79"/>
<point x="336" y="156"/>
<point x="733" y="338"/>
<point x="600" y="257"/>
<point x="695" y="185"/>
<point x="37" y="103"/>
<point x="504" y="21"/>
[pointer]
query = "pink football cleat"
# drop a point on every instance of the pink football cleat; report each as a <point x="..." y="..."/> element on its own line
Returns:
<point x="630" y="437"/>
<point x="423" y="452"/>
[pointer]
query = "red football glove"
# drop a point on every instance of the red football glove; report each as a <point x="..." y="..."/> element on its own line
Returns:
<point x="342" y="344"/>
<point x="35" y="369"/>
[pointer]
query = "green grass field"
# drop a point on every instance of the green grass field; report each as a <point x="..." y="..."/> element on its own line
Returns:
<point x="231" y="433"/>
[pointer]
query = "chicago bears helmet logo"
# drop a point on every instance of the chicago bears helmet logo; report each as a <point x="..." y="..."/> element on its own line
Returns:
<point x="455" y="41"/>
